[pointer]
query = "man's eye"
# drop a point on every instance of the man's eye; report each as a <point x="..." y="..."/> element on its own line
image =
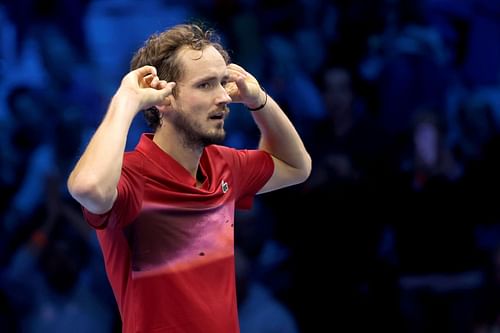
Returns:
<point x="204" y="85"/>
<point x="224" y="83"/>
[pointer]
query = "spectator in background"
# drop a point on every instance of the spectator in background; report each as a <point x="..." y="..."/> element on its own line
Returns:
<point x="438" y="261"/>
<point x="470" y="30"/>
<point x="408" y="61"/>
<point x="259" y="310"/>
<point x="429" y="158"/>
<point x="49" y="281"/>
<point x="477" y="127"/>
<point x="70" y="77"/>
<point x="47" y="166"/>
<point x="349" y="178"/>
<point x="26" y="139"/>
<point x="288" y="80"/>
<point x="23" y="131"/>
<point x="34" y="15"/>
<point x="348" y="143"/>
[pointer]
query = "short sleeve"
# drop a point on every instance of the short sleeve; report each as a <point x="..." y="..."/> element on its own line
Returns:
<point x="127" y="205"/>
<point x="251" y="170"/>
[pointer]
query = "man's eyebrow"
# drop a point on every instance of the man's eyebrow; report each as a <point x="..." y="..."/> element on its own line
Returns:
<point x="206" y="78"/>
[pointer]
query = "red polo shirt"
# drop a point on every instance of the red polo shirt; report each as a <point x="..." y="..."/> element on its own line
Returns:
<point x="168" y="245"/>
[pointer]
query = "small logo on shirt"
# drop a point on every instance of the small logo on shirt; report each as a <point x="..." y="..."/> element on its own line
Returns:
<point x="225" y="186"/>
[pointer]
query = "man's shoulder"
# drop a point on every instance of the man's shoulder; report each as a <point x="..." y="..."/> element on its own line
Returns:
<point x="219" y="148"/>
<point x="237" y="156"/>
<point x="219" y="151"/>
<point x="133" y="160"/>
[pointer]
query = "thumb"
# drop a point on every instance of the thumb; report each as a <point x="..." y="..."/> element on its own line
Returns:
<point x="166" y="88"/>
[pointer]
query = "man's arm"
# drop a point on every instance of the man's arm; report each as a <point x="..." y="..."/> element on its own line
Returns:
<point x="292" y="162"/>
<point x="94" y="179"/>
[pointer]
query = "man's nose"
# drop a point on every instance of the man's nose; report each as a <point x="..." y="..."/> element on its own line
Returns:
<point x="222" y="96"/>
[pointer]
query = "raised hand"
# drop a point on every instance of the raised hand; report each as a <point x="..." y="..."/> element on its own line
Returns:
<point x="243" y="87"/>
<point x="144" y="85"/>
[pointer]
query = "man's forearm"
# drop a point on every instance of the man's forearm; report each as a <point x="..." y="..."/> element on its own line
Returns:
<point x="95" y="177"/>
<point x="280" y="138"/>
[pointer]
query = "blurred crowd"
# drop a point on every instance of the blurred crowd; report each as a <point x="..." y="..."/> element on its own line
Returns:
<point x="398" y="102"/>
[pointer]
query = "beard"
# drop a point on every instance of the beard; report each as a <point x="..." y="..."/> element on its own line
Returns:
<point x="193" y="133"/>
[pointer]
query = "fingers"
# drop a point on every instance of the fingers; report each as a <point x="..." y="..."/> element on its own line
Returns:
<point x="149" y="79"/>
<point x="237" y="69"/>
<point x="166" y="87"/>
<point x="240" y="76"/>
<point x="145" y="70"/>
<point x="156" y="82"/>
<point x="244" y="86"/>
<point x="237" y="74"/>
<point x="231" y="88"/>
<point x="144" y="84"/>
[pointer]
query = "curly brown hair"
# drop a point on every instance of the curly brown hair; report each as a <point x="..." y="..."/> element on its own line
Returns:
<point x="161" y="49"/>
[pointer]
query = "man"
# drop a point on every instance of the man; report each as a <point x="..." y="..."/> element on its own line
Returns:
<point x="164" y="212"/>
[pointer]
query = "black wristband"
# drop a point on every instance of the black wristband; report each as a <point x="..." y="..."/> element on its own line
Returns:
<point x="260" y="106"/>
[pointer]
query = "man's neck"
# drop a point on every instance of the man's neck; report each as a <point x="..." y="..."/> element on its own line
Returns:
<point x="172" y="144"/>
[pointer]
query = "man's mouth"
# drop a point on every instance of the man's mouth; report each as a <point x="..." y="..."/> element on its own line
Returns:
<point x="217" y="116"/>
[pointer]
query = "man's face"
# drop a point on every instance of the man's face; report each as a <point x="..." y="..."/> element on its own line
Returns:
<point x="201" y="102"/>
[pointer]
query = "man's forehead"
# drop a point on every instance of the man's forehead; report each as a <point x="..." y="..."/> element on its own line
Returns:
<point x="208" y="53"/>
<point x="207" y="62"/>
<point x="186" y="52"/>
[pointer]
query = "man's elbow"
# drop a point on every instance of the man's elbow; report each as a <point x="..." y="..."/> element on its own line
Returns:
<point x="89" y="194"/>
<point x="79" y="187"/>
<point x="305" y="171"/>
